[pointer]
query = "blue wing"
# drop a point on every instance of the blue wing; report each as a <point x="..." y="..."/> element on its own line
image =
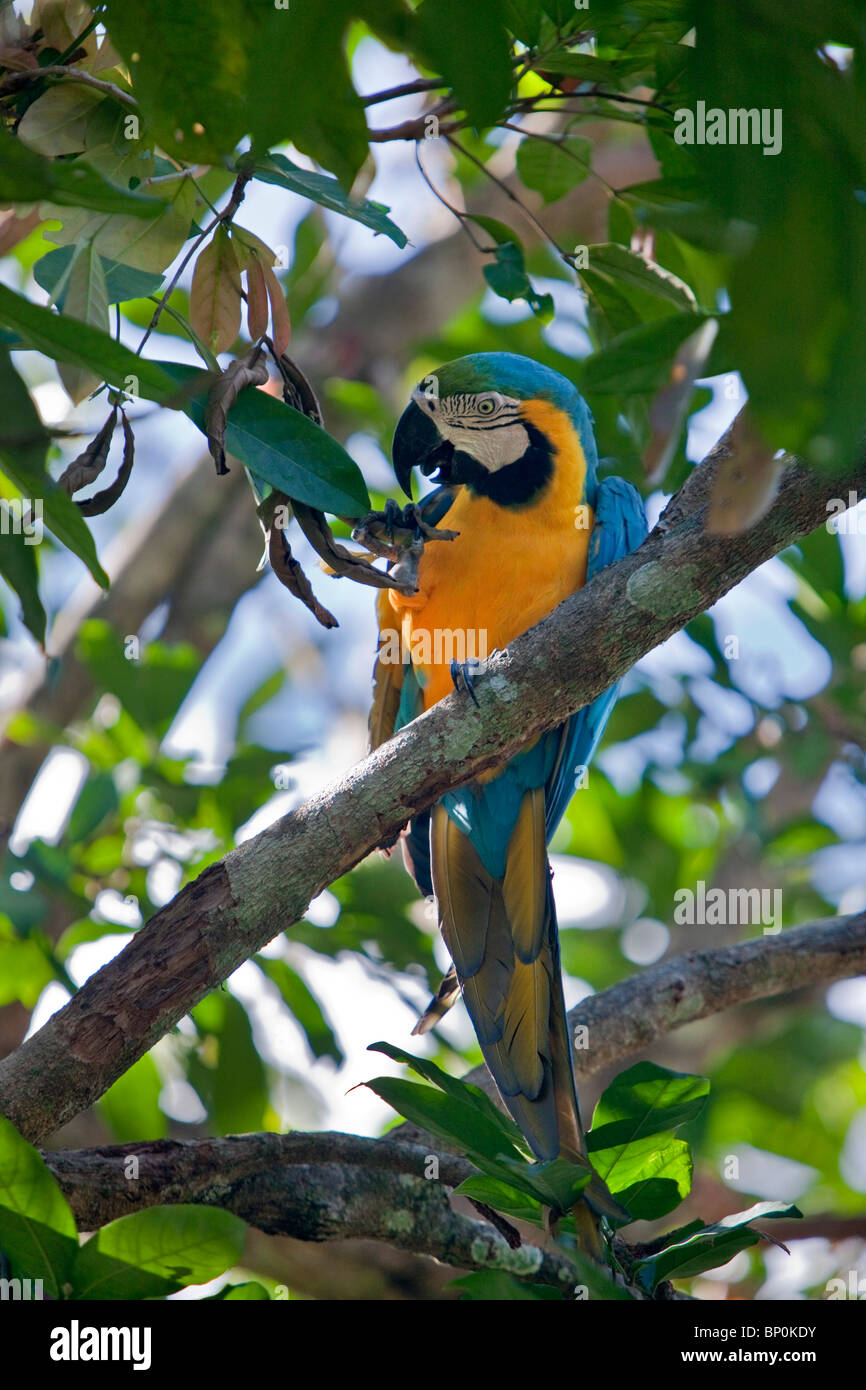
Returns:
<point x="620" y="527"/>
<point x="487" y="812"/>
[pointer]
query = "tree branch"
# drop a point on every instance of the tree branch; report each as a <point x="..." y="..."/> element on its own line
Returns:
<point x="258" y="890"/>
<point x="630" y="1016"/>
<point x="315" y="1187"/>
<point x="332" y="1186"/>
<point x="15" y="81"/>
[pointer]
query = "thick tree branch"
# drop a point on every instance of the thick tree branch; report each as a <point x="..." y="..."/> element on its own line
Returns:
<point x="239" y="904"/>
<point x="315" y="1187"/>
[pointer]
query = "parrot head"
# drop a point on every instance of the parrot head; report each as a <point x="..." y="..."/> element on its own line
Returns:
<point x="493" y="421"/>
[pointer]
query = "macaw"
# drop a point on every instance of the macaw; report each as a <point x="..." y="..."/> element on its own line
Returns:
<point x="517" y="470"/>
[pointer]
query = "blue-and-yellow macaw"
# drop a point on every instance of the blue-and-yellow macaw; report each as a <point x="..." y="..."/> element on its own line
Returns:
<point x="517" y="462"/>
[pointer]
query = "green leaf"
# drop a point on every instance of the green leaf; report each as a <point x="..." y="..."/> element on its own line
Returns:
<point x="57" y="121"/>
<point x="86" y="301"/>
<point x="251" y="1292"/>
<point x="507" y="277"/>
<point x="500" y="232"/>
<point x="524" y="19"/>
<point x="319" y="188"/>
<point x="446" y="1116"/>
<point x="18" y="567"/>
<point x="310" y="101"/>
<point x="452" y="38"/>
<point x="649" y="1176"/>
<point x="282" y="447"/>
<point x="131" y="1105"/>
<point x="25" y="970"/>
<point x="96" y="800"/>
<point x="149" y="246"/>
<point x="190" y="70"/>
<point x="122" y="282"/>
<point x="23" y="444"/>
<point x="303" y="1006"/>
<point x="645" y="1099"/>
<point x="205" y="77"/>
<point x="496" y="1286"/>
<point x="27" y="177"/>
<point x="157" y="1251"/>
<point x="639" y="360"/>
<point x="711" y="1247"/>
<point x="553" y="167"/>
<point x="502" y="1197"/>
<point x="562" y="62"/>
<point x="558" y="1182"/>
<point x="151" y="688"/>
<point x="463" y="1091"/>
<point x="38" y="1235"/>
<point x="618" y="264"/>
<point x="240" y="1093"/>
<point x="67" y="341"/>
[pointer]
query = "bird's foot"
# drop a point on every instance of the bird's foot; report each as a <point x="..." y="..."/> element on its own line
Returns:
<point x="464" y="675"/>
<point x="396" y="530"/>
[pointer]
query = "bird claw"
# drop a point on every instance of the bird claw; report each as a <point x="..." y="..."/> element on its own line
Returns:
<point x="396" y="529"/>
<point x="463" y="674"/>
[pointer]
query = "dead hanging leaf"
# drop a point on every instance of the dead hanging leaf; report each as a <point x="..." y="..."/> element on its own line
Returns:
<point x="250" y="370"/>
<point x="87" y="467"/>
<point x="297" y="391"/>
<point x="215" y="294"/>
<point x="253" y="245"/>
<point x="282" y="327"/>
<point x="670" y="406"/>
<point x="101" y="501"/>
<point x="745" y="484"/>
<point x="338" y="559"/>
<point x="289" y="573"/>
<point x="257" y="298"/>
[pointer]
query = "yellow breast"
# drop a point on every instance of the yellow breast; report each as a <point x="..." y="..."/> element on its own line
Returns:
<point x="507" y="569"/>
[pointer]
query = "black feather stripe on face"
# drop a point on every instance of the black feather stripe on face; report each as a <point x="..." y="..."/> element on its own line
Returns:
<point x="518" y="484"/>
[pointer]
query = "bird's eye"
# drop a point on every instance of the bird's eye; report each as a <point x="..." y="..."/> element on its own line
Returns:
<point x="486" y="405"/>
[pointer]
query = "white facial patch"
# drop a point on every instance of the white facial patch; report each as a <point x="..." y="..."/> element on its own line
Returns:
<point x="487" y="426"/>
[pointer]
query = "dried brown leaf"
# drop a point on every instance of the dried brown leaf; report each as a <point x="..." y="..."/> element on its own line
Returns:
<point x="257" y="298"/>
<point x="87" y="467"/>
<point x="340" y="560"/>
<point x="670" y="406"/>
<point x="250" y="370"/>
<point x="297" y="391"/>
<point x="215" y="294"/>
<point x="101" y="501"/>
<point x="289" y="573"/>
<point x="745" y="484"/>
<point x="279" y="312"/>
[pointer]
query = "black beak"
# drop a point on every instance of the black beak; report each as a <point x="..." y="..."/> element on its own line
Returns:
<point x="418" y="444"/>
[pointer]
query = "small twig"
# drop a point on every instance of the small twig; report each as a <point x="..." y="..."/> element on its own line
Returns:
<point x="16" y="80"/>
<point x="463" y="218"/>
<point x="405" y="89"/>
<point x="501" y="184"/>
<point x="604" y="96"/>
